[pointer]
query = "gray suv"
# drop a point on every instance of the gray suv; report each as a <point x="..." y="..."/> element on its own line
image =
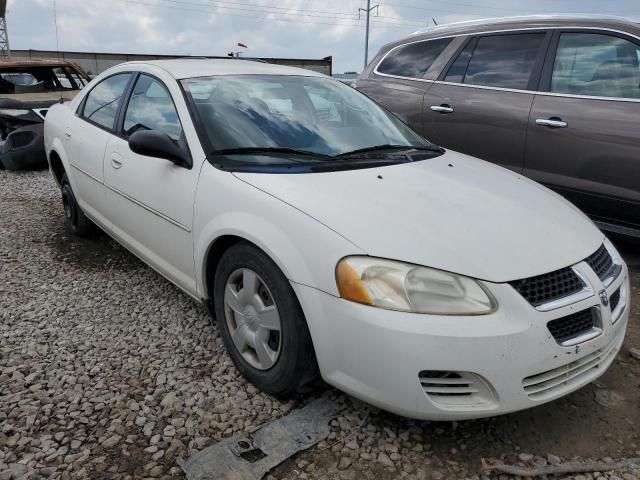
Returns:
<point x="555" y="98"/>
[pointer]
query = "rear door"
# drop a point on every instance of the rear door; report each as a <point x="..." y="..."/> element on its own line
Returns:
<point x="150" y="200"/>
<point x="583" y="128"/>
<point x="86" y="137"/>
<point x="480" y="104"/>
<point x="398" y="81"/>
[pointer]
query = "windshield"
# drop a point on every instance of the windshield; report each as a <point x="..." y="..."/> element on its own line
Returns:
<point x="311" y="115"/>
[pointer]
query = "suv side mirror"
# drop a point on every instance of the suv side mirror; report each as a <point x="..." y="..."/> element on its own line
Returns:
<point x="153" y="143"/>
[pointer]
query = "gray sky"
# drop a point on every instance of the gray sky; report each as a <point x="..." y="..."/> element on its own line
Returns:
<point x="270" y="28"/>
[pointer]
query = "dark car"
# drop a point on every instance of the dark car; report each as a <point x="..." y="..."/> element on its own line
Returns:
<point x="27" y="90"/>
<point x="555" y="98"/>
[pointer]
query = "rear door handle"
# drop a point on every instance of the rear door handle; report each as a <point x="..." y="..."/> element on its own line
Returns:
<point x="67" y="133"/>
<point x="444" y="108"/>
<point x="553" y="122"/>
<point x="116" y="160"/>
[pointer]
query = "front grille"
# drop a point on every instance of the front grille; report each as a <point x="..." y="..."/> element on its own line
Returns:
<point x="600" y="262"/>
<point x="571" y="326"/>
<point x="614" y="299"/>
<point x="549" y="286"/>
<point x="560" y="380"/>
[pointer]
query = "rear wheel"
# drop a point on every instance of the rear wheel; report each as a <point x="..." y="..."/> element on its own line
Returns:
<point x="261" y="322"/>
<point x="78" y="222"/>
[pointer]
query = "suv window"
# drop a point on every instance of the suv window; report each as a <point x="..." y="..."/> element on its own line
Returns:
<point x="413" y="60"/>
<point x="101" y="105"/>
<point x="151" y="108"/>
<point x="504" y="60"/>
<point x="596" y="64"/>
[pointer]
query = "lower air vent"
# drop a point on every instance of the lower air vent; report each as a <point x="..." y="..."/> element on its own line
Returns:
<point x="572" y="326"/>
<point x="456" y="389"/>
<point x="555" y="382"/>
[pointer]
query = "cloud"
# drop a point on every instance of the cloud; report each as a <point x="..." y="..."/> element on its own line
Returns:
<point x="271" y="28"/>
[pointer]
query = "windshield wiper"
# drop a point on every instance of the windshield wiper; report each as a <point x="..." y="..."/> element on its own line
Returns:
<point x="336" y="165"/>
<point x="266" y="151"/>
<point x="380" y="148"/>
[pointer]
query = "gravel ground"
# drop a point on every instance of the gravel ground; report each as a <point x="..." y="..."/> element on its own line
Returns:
<point x="108" y="371"/>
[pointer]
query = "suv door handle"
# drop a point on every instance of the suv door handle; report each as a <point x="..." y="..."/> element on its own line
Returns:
<point x="553" y="122"/>
<point x="115" y="160"/>
<point x="444" y="108"/>
<point x="67" y="133"/>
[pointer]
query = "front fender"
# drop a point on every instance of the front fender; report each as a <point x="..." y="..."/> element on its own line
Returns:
<point x="305" y="250"/>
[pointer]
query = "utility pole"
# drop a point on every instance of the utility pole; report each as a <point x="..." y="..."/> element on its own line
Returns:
<point x="366" y="35"/>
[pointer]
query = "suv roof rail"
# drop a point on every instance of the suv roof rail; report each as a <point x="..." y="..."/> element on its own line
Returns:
<point x="480" y="21"/>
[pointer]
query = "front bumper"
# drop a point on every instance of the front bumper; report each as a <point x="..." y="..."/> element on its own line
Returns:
<point x="24" y="148"/>
<point x="509" y="357"/>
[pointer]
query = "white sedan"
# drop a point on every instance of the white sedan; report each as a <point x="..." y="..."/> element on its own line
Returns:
<point x="327" y="238"/>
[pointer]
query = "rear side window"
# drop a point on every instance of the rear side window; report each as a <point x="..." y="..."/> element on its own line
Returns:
<point x="596" y="64"/>
<point x="504" y="61"/>
<point x="101" y="105"/>
<point x="151" y="108"/>
<point x="412" y="60"/>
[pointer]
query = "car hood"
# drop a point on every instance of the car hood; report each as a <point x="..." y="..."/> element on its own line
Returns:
<point x="453" y="212"/>
<point x="35" y="100"/>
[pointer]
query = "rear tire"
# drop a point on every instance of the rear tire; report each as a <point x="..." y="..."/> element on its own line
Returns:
<point x="261" y="322"/>
<point x="77" y="221"/>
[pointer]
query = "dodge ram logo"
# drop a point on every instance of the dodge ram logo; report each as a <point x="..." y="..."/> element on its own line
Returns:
<point x="604" y="298"/>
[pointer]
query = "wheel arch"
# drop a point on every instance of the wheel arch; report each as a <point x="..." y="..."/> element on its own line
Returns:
<point x="56" y="166"/>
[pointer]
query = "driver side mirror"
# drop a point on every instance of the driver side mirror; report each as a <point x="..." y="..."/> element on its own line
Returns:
<point x="153" y="143"/>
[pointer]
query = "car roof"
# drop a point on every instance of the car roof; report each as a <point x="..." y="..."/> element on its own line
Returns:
<point x="206" y="67"/>
<point x="35" y="63"/>
<point x="528" y="21"/>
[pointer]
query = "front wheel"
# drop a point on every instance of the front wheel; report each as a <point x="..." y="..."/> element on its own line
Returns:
<point x="78" y="222"/>
<point x="261" y="323"/>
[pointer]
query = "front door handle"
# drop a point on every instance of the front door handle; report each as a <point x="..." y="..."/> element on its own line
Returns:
<point x="553" y="122"/>
<point x="444" y="108"/>
<point x="67" y="133"/>
<point x="116" y="160"/>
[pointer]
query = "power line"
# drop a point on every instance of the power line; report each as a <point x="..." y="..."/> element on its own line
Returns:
<point x="178" y="4"/>
<point x="347" y="14"/>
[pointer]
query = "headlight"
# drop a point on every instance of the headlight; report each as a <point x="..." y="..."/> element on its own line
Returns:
<point x="410" y="288"/>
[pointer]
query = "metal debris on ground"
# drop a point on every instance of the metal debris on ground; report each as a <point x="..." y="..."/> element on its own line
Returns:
<point x="560" y="469"/>
<point x="250" y="457"/>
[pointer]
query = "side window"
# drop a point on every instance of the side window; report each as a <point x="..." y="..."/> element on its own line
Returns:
<point x="79" y="79"/>
<point x="504" y="61"/>
<point x="151" y="108"/>
<point x="596" y="64"/>
<point x="102" y="101"/>
<point x="413" y="60"/>
<point x="459" y="67"/>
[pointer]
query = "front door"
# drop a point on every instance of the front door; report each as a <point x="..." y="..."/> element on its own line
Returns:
<point x="583" y="132"/>
<point x="151" y="199"/>
<point x="480" y="104"/>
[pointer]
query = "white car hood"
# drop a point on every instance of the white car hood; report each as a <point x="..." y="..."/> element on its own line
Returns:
<point x="453" y="212"/>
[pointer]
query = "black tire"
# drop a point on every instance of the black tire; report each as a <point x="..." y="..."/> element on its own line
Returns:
<point x="296" y="364"/>
<point x="77" y="221"/>
<point x="1" y="165"/>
